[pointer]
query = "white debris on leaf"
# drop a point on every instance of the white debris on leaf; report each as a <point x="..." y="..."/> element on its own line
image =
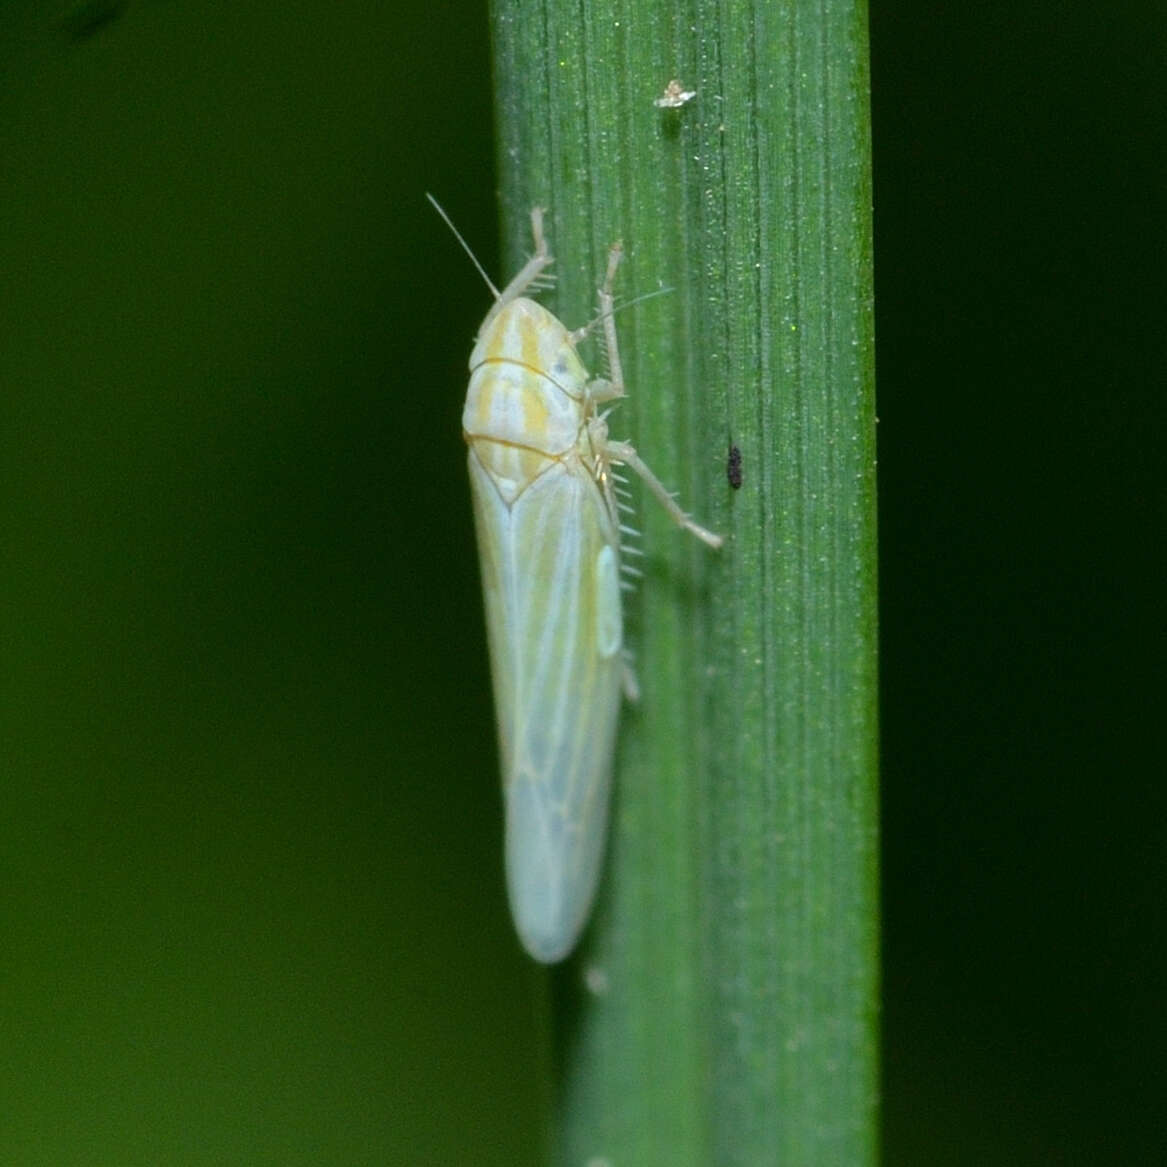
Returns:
<point x="674" y="96"/>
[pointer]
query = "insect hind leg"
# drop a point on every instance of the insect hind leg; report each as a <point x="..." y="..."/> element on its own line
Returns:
<point x="623" y="452"/>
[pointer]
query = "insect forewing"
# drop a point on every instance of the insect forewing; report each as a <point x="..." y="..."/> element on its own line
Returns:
<point x="550" y="574"/>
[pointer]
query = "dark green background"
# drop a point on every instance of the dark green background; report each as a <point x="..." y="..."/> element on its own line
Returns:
<point x="251" y="904"/>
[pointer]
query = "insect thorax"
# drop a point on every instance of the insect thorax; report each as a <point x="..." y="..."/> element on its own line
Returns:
<point x="528" y="407"/>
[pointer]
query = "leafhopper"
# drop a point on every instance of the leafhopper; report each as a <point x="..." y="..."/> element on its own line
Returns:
<point x="547" y="516"/>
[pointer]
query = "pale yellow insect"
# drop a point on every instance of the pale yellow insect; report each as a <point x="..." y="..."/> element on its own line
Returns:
<point x="547" y="518"/>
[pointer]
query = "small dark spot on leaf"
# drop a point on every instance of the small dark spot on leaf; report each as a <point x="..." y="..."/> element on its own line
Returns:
<point x="733" y="467"/>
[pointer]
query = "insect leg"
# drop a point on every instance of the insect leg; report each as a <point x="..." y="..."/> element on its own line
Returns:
<point x="615" y="369"/>
<point x="623" y="452"/>
<point x="630" y="684"/>
<point x="528" y="274"/>
<point x="605" y="389"/>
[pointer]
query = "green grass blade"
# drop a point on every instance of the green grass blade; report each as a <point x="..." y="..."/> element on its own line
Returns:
<point x="723" y="1008"/>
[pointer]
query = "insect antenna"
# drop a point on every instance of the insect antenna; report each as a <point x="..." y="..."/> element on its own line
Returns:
<point x="578" y="334"/>
<point x="620" y="305"/>
<point x="465" y="246"/>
